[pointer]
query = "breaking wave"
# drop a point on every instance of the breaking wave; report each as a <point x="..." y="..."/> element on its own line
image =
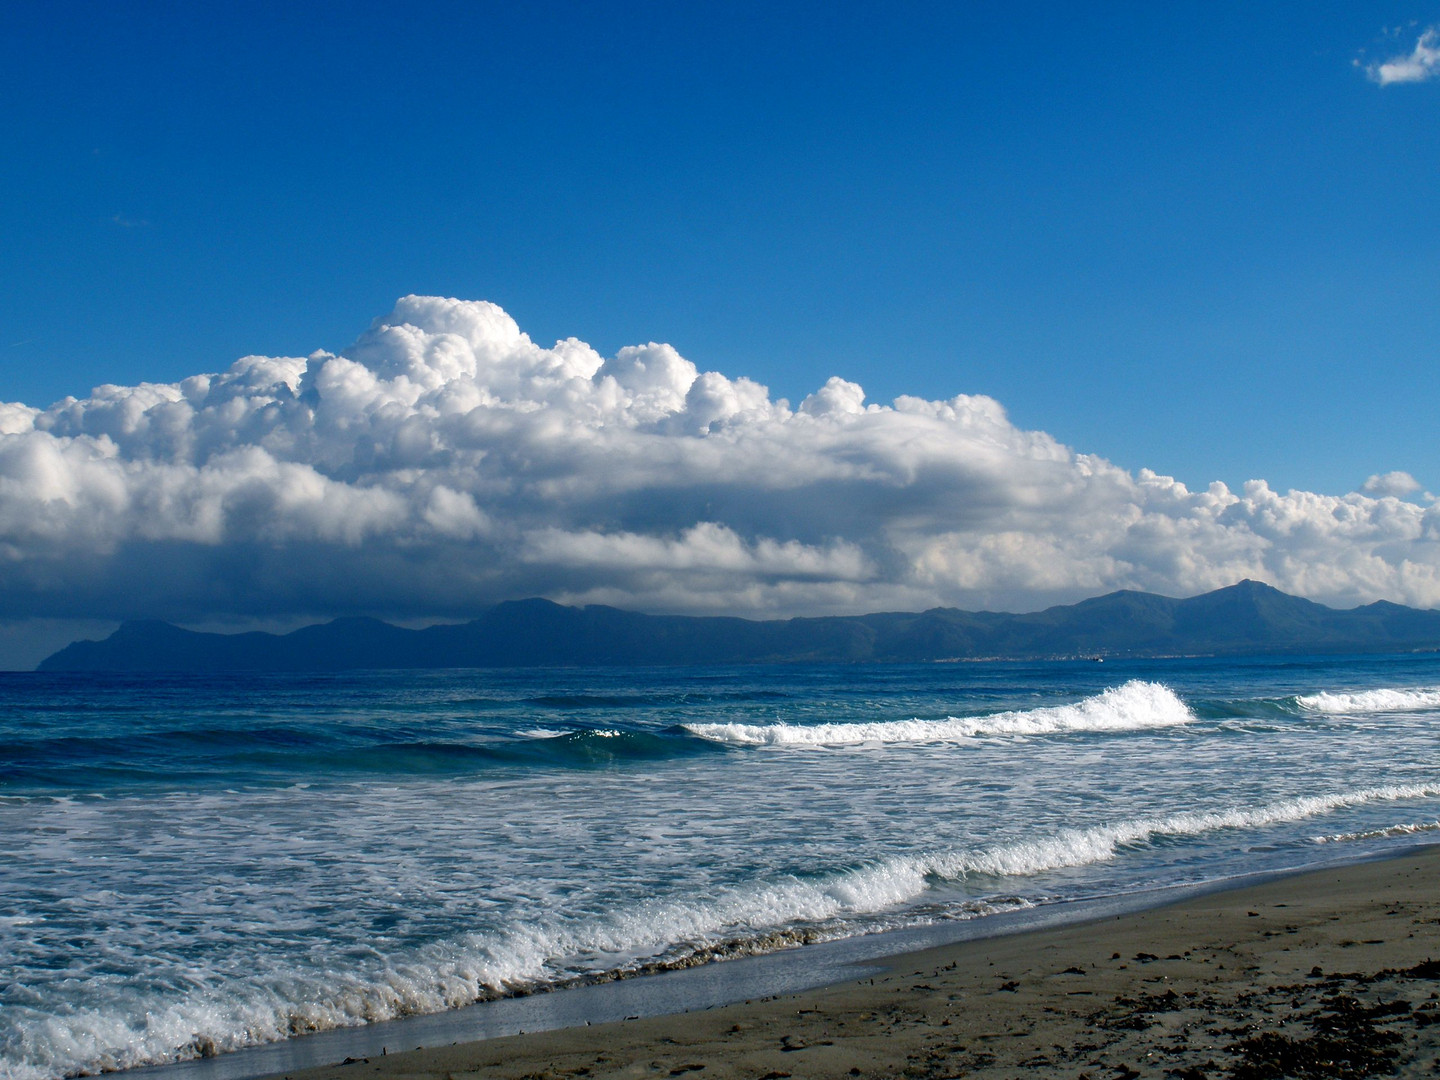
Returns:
<point x="1372" y="701"/>
<point x="1133" y="706"/>
<point x="217" y="1015"/>
<point x="661" y="934"/>
<point x="1077" y="847"/>
<point x="1414" y="828"/>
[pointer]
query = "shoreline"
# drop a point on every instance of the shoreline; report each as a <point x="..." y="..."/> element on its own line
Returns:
<point x="616" y="1024"/>
<point x="1324" y="970"/>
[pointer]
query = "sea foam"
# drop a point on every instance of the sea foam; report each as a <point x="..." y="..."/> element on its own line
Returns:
<point x="1078" y="847"/>
<point x="1409" y="828"/>
<point x="752" y="916"/>
<point x="1372" y="701"/>
<point x="481" y="862"/>
<point x="1133" y="706"/>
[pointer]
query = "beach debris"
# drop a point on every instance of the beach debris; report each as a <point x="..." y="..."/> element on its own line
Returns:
<point x="1426" y="969"/>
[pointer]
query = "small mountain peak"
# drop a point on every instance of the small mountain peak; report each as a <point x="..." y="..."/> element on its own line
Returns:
<point x="1250" y="585"/>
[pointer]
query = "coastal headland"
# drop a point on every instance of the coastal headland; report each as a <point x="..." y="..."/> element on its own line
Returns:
<point x="1329" y="973"/>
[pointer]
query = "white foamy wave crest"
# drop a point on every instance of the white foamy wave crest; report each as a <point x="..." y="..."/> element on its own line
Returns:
<point x="1372" y="701"/>
<point x="1134" y="706"/>
<point x="1079" y="847"/>
<point x="221" y="1015"/>
<point x="1408" y="829"/>
<point x="218" y="1018"/>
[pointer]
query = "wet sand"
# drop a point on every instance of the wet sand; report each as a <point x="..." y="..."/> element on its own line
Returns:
<point x="1334" y="973"/>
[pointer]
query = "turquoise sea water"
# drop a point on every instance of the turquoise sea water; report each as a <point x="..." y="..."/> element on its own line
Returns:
<point x="190" y="865"/>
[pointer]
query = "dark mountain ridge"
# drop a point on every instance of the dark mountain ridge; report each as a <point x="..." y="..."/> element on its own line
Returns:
<point x="1245" y="618"/>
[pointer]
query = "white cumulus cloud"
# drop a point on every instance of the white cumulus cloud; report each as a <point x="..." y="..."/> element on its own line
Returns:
<point x="1418" y="65"/>
<point x="1395" y="483"/>
<point x="446" y="461"/>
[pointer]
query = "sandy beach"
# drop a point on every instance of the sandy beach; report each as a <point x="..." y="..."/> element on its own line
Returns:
<point x="1334" y="973"/>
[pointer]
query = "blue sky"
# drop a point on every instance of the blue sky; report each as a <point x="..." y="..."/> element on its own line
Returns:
<point x="1193" y="238"/>
<point x="1189" y="241"/>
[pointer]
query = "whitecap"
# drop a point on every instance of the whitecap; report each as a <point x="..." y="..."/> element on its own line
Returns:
<point x="1403" y="829"/>
<point x="1133" y="706"/>
<point x="756" y="915"/>
<point x="1372" y="701"/>
<point x="1079" y="847"/>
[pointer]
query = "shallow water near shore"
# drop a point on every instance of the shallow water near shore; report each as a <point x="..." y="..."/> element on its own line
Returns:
<point x="193" y="865"/>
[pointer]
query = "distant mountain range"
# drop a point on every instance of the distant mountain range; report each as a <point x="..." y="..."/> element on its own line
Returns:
<point x="1246" y="618"/>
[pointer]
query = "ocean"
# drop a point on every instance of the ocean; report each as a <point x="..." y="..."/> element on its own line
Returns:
<point x="190" y="865"/>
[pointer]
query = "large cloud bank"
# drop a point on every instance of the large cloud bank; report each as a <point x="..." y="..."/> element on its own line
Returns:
<point x="446" y="461"/>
